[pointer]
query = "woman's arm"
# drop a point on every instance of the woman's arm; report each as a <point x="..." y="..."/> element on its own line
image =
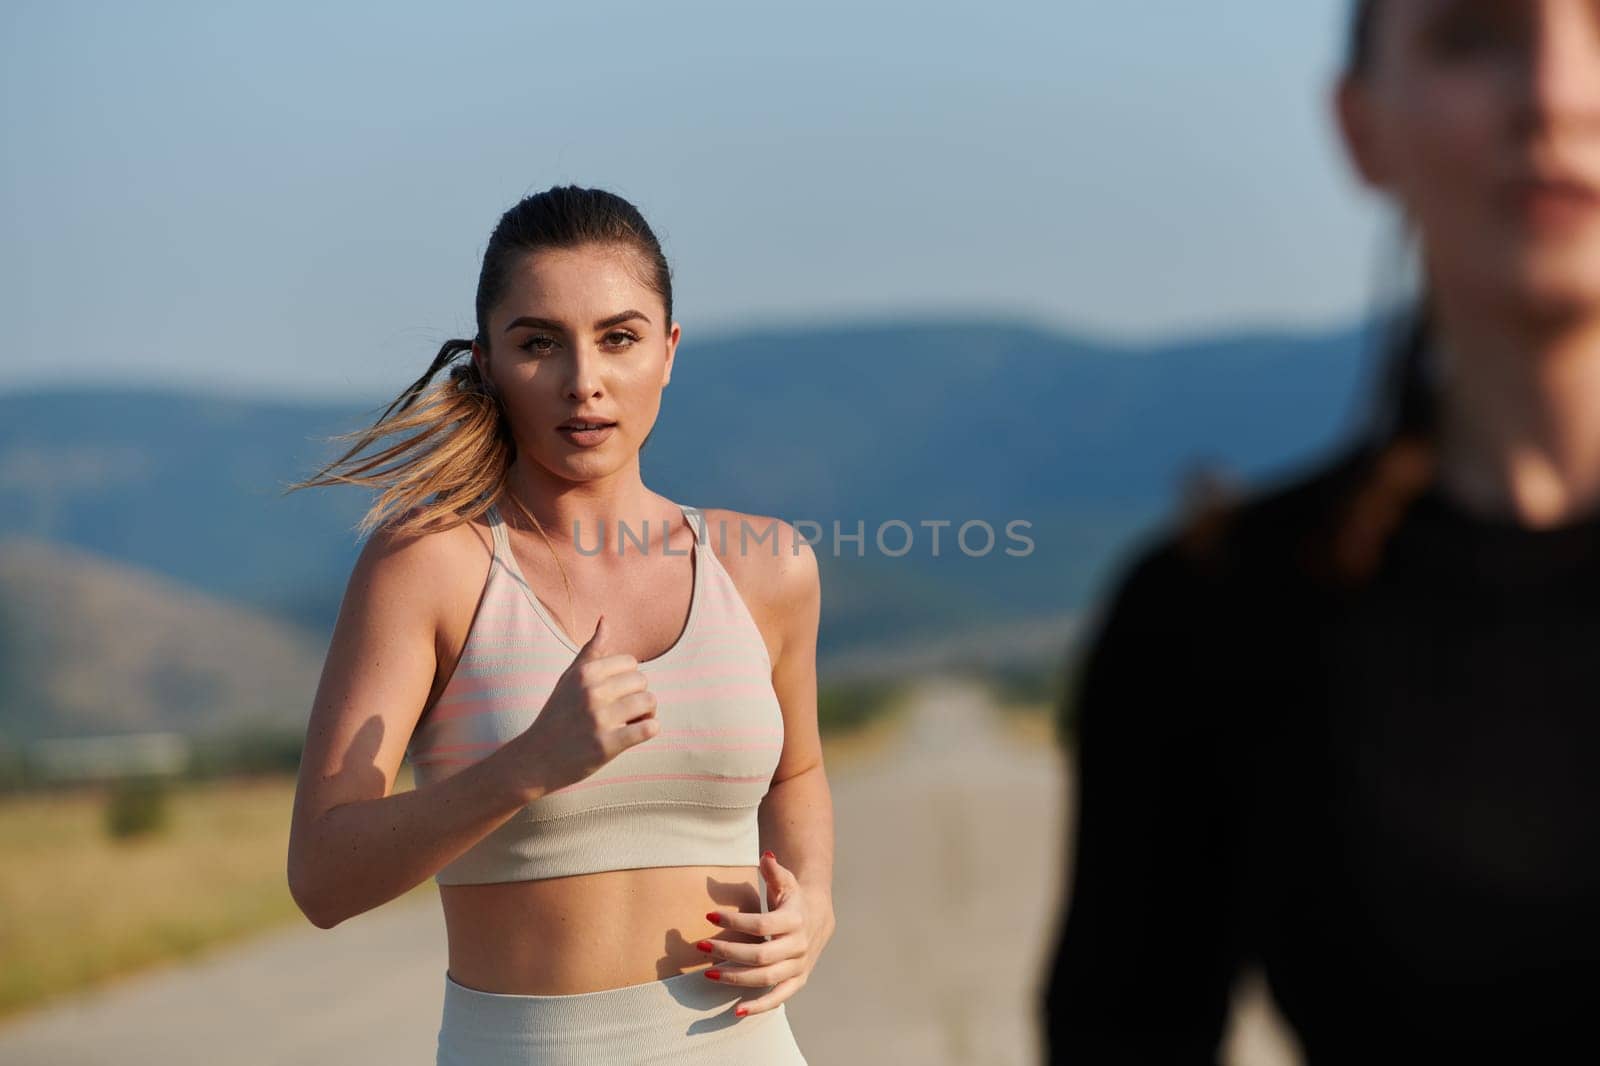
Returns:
<point x="353" y="845"/>
<point x="1149" y="944"/>
<point x="796" y="815"/>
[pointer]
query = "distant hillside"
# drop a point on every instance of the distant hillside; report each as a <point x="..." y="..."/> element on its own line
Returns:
<point x="88" y="645"/>
<point x="915" y="420"/>
<point x="93" y="647"/>
<point x="183" y="485"/>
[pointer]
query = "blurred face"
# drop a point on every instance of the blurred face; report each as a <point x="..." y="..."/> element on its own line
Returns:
<point x="1481" y="120"/>
<point x="580" y="338"/>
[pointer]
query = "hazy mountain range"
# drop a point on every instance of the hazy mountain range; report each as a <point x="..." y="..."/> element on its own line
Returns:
<point x="90" y="646"/>
<point x="914" y="420"/>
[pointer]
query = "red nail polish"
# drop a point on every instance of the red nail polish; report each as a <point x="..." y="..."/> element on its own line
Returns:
<point x="715" y="975"/>
<point x="741" y="1010"/>
<point x="704" y="945"/>
<point x="713" y="917"/>
<point x="768" y="855"/>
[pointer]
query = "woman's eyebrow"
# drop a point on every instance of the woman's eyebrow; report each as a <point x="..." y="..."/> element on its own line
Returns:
<point x="536" y="323"/>
<point x="550" y="324"/>
<point x="619" y="318"/>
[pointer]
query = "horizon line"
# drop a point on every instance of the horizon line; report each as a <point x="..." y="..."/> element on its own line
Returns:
<point x="731" y="332"/>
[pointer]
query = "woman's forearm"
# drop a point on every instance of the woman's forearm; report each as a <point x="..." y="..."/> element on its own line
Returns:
<point x="796" y="824"/>
<point x="359" y="855"/>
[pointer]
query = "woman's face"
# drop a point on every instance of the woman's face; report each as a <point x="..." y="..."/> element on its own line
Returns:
<point x="580" y="334"/>
<point x="1481" y="119"/>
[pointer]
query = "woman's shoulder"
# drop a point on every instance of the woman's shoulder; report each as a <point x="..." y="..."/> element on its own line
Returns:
<point x="769" y="560"/>
<point x="1224" y="534"/>
<point x="426" y="551"/>
<point x="427" y="530"/>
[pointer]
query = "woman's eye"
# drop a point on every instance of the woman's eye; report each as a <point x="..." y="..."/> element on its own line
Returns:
<point x="538" y="344"/>
<point x="620" y="338"/>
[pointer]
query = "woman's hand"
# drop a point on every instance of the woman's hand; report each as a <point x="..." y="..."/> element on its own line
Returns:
<point x="600" y="707"/>
<point x="798" y="919"/>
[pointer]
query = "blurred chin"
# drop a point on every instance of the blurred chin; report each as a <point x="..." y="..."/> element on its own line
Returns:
<point x="1549" y="276"/>
<point x="1559" y="278"/>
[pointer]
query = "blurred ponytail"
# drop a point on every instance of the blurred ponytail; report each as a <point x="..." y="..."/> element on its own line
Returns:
<point x="1396" y="460"/>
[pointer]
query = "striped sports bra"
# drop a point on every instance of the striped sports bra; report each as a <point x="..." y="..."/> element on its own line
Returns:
<point x="687" y="796"/>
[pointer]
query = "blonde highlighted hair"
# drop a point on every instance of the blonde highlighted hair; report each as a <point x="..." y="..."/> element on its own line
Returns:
<point x="457" y="449"/>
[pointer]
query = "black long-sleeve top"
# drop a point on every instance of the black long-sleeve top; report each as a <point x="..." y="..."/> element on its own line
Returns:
<point x="1387" y="795"/>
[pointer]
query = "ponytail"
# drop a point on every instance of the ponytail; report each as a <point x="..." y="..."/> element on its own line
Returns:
<point x="1396" y="463"/>
<point x="1392" y="463"/>
<point x="457" y="450"/>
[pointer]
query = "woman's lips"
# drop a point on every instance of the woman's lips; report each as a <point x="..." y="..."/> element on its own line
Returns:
<point x="1552" y="202"/>
<point x="587" y="438"/>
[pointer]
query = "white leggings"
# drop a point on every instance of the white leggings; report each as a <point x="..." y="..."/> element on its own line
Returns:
<point x="686" y="1019"/>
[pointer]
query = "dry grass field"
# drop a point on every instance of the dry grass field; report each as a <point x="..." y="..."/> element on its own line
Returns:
<point x="947" y="813"/>
<point x="78" y="907"/>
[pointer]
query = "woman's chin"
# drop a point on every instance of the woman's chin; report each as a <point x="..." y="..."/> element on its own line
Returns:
<point x="1555" y="283"/>
<point x="1558" y="293"/>
<point x="580" y="465"/>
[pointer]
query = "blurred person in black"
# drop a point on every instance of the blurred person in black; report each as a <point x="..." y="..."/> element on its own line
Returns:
<point x="1346" y="728"/>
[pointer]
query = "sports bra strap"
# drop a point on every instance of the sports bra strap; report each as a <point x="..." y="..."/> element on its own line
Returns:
<point x="697" y="522"/>
<point x="497" y="529"/>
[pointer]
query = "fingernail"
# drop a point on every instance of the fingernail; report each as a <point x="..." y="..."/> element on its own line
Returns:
<point x="714" y="974"/>
<point x="713" y="917"/>
<point x="768" y="855"/>
<point x="741" y="1010"/>
<point x="704" y="945"/>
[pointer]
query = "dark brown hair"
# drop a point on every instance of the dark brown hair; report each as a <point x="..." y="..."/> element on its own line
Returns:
<point x="459" y="446"/>
<point x="1359" y="37"/>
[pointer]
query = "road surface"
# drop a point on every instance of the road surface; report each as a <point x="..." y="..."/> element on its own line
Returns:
<point x="946" y="889"/>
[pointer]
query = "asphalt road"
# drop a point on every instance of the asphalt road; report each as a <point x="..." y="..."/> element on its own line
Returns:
<point x="946" y="887"/>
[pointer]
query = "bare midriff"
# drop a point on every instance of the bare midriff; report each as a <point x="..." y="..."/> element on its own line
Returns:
<point x="589" y="932"/>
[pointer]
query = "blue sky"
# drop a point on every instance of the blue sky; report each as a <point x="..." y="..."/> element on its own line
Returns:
<point x="285" y="199"/>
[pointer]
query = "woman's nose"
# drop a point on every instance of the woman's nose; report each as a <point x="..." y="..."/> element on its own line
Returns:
<point x="584" y="373"/>
<point x="1562" y="69"/>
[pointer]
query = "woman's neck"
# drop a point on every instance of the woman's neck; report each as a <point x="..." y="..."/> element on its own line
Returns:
<point x="1519" y="412"/>
<point x="588" y="515"/>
